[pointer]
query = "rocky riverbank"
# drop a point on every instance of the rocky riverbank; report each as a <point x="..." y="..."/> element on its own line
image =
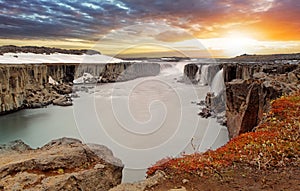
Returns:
<point x="62" y="164"/>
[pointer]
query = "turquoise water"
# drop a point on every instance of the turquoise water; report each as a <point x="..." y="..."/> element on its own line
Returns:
<point x="37" y="127"/>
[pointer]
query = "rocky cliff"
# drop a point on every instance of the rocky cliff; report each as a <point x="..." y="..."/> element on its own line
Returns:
<point x="114" y="72"/>
<point x="63" y="164"/>
<point x="251" y="87"/>
<point x="26" y="85"/>
<point x="203" y="73"/>
<point x="62" y="73"/>
<point x="16" y="80"/>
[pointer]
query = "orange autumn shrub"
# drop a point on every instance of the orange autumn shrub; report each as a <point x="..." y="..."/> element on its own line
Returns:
<point x="275" y="142"/>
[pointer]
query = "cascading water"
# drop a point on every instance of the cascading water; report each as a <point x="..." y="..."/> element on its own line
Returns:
<point x="204" y="75"/>
<point x="218" y="84"/>
<point x="168" y="69"/>
<point x="197" y="76"/>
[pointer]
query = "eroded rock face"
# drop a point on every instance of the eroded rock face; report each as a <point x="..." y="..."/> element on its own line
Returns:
<point x="114" y="72"/>
<point x="190" y="72"/>
<point x="26" y="86"/>
<point x="62" y="164"/>
<point x="249" y="95"/>
<point x="246" y="71"/>
<point x="15" y="81"/>
<point x="193" y="69"/>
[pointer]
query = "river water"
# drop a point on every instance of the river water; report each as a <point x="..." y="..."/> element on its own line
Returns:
<point x="141" y="121"/>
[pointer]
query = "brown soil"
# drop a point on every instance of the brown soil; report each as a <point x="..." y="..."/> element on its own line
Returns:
<point x="239" y="178"/>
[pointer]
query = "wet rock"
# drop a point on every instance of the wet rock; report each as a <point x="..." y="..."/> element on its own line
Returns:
<point x="190" y="73"/>
<point x="205" y="112"/>
<point x="63" y="89"/>
<point x="63" y="101"/>
<point x="63" y="164"/>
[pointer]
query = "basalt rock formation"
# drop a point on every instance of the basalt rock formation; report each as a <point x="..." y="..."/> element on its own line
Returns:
<point x="251" y="87"/>
<point x="62" y="164"/>
<point x="114" y="72"/>
<point x="193" y="72"/>
<point x="26" y="85"/>
<point x="190" y="73"/>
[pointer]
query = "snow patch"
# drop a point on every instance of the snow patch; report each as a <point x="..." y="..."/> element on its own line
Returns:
<point x="31" y="58"/>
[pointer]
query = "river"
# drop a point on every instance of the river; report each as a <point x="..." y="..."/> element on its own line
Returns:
<point x="141" y="121"/>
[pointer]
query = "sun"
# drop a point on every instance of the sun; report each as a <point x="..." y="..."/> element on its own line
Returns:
<point x="237" y="43"/>
<point x="232" y="44"/>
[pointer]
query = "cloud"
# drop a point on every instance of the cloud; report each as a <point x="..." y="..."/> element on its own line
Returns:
<point x="93" y="19"/>
<point x="173" y="36"/>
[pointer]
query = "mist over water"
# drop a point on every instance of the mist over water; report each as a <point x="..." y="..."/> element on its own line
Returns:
<point x="141" y="121"/>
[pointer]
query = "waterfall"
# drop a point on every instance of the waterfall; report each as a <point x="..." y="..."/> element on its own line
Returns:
<point x="164" y="66"/>
<point x="218" y="84"/>
<point x="197" y="76"/>
<point x="204" y="75"/>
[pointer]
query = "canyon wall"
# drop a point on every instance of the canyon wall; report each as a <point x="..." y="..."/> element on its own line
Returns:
<point x="26" y="85"/>
<point x="195" y="73"/>
<point x="15" y="81"/>
<point x="114" y="72"/>
<point x="250" y="89"/>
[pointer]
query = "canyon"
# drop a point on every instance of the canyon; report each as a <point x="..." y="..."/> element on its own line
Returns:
<point x="27" y="85"/>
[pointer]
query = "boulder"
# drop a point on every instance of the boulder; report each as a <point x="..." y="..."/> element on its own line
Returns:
<point x="141" y="185"/>
<point x="63" y="101"/>
<point x="62" y="164"/>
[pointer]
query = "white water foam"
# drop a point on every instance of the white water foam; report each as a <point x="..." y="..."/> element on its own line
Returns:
<point x="218" y="84"/>
<point x="204" y="75"/>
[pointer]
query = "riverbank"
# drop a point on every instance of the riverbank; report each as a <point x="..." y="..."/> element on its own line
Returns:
<point x="266" y="159"/>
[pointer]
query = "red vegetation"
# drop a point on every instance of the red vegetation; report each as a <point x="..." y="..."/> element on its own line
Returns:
<point x="274" y="143"/>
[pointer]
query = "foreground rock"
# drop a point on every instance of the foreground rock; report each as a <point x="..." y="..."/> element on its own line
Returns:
<point x="62" y="164"/>
<point x="141" y="185"/>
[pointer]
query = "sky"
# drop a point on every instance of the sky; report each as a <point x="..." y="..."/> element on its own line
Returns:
<point x="134" y="28"/>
